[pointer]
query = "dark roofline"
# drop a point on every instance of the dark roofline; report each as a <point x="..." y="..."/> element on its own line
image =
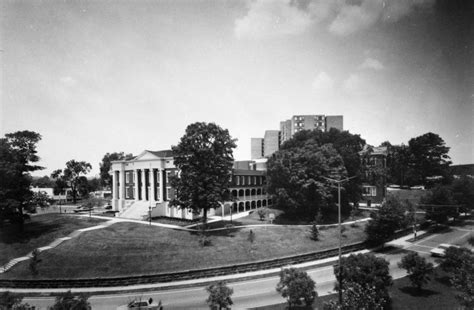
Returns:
<point x="162" y="153"/>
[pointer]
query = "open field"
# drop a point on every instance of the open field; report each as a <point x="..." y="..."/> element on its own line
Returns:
<point x="437" y="294"/>
<point x="134" y="249"/>
<point x="39" y="231"/>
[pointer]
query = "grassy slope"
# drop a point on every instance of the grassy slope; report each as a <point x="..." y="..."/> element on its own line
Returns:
<point x="133" y="249"/>
<point x="39" y="231"/>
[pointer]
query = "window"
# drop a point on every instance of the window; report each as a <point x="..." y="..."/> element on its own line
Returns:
<point x="168" y="176"/>
<point x="127" y="177"/>
<point x="369" y="191"/>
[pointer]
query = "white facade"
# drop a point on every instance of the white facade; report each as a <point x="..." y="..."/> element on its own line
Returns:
<point x="142" y="184"/>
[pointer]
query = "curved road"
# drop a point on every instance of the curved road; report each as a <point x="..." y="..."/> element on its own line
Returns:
<point x="261" y="292"/>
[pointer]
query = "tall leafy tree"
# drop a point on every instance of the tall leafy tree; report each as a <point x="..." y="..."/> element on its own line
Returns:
<point x="295" y="285"/>
<point x="219" y="296"/>
<point x="106" y="165"/>
<point x="18" y="156"/>
<point x="296" y="178"/>
<point x="42" y="182"/>
<point x="418" y="269"/>
<point x="390" y="217"/>
<point x="459" y="262"/>
<point x="366" y="271"/>
<point x="347" y="146"/>
<point x="72" y="175"/>
<point x="429" y="156"/>
<point x="357" y="296"/>
<point x="204" y="158"/>
<point x="440" y="204"/>
<point x="70" y="301"/>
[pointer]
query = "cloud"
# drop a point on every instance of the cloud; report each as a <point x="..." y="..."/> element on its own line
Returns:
<point x="323" y="82"/>
<point x="355" y="83"/>
<point x="272" y="18"/>
<point x="352" y="18"/>
<point x="371" y="63"/>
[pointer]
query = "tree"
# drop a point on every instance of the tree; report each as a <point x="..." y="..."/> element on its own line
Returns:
<point x="35" y="260"/>
<point x="219" y="295"/>
<point x="429" y="156"/>
<point x="390" y="217"/>
<point x="356" y="296"/>
<point x="72" y="175"/>
<point x="314" y="232"/>
<point x="17" y="157"/>
<point x="296" y="179"/>
<point x="459" y="263"/>
<point x="204" y="160"/>
<point x="106" y="165"/>
<point x="367" y="271"/>
<point x="463" y="193"/>
<point x="296" y="285"/>
<point x="418" y="269"/>
<point x="12" y="301"/>
<point x="399" y="170"/>
<point x="68" y="301"/>
<point x="347" y="146"/>
<point x="440" y="204"/>
<point x="42" y="182"/>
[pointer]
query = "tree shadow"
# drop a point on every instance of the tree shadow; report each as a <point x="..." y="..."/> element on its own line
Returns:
<point x="391" y="249"/>
<point x="443" y="280"/>
<point x="415" y="292"/>
<point x="10" y="233"/>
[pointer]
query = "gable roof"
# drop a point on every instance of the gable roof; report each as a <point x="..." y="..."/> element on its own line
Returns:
<point x="164" y="153"/>
<point x="152" y="155"/>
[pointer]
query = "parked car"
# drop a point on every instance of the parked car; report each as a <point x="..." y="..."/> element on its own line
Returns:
<point x="141" y="304"/>
<point x="440" y="250"/>
<point x="82" y="209"/>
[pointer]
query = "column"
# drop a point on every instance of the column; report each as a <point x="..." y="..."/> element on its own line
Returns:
<point x="114" y="185"/>
<point x="161" y="190"/>
<point x="135" y="183"/>
<point x="153" y="184"/>
<point x="122" y="184"/>
<point x="143" y="184"/>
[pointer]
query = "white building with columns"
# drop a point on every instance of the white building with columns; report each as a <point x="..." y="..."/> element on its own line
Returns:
<point x="142" y="185"/>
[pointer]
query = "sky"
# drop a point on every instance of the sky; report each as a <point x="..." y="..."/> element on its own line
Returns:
<point x="109" y="76"/>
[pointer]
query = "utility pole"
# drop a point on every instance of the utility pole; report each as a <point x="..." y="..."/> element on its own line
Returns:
<point x="340" y="228"/>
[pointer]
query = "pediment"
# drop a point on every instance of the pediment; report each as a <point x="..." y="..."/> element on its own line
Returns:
<point x="146" y="155"/>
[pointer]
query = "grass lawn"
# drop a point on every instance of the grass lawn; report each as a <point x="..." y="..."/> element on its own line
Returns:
<point x="437" y="294"/>
<point x="39" y="231"/>
<point x="134" y="249"/>
<point x="254" y="219"/>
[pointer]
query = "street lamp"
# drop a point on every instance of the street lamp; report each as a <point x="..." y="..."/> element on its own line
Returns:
<point x="340" y="227"/>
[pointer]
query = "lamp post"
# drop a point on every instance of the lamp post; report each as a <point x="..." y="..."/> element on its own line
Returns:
<point x="340" y="228"/>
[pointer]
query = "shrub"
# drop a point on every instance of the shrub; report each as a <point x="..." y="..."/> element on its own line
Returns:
<point x="34" y="262"/>
<point x="314" y="232"/>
